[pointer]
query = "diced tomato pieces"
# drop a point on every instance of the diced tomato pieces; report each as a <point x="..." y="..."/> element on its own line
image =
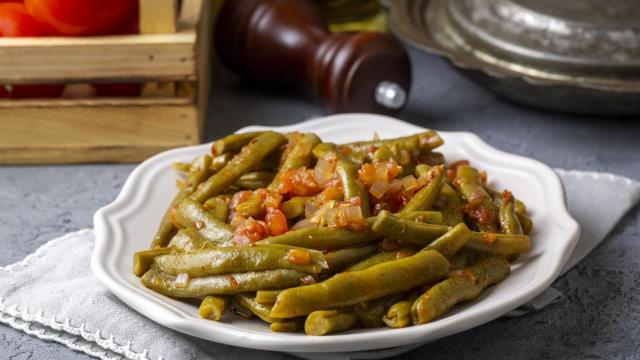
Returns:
<point x="276" y="222"/>
<point x="250" y="231"/>
<point x="299" y="182"/>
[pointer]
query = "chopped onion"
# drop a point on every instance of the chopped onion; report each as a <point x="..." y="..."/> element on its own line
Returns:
<point x="309" y="209"/>
<point x="382" y="172"/>
<point x="323" y="172"/>
<point x="378" y="189"/>
<point x="353" y="214"/>
<point x="182" y="280"/>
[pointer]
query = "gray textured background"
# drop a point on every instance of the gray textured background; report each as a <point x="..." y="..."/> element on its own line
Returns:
<point x="600" y="317"/>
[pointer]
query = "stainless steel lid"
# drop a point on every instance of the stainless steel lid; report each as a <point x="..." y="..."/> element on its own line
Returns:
<point x="590" y="46"/>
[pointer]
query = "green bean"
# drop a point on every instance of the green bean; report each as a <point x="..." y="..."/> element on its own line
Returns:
<point x="451" y="207"/>
<point x="498" y="244"/>
<point x="424" y="234"/>
<point x="271" y="163"/>
<point x="463" y="285"/>
<point x="383" y="153"/>
<point x="431" y="157"/>
<point x="246" y="160"/>
<point x="340" y="259"/>
<point x="323" y="238"/>
<point x="411" y="144"/>
<point x="350" y="288"/>
<point x="212" y="307"/>
<point x="142" y="260"/>
<point x="462" y="259"/>
<point x="267" y="297"/>
<point x="181" y="166"/>
<point x="190" y="214"/>
<point x="294" y="207"/>
<point x="380" y="258"/>
<point x="240" y="259"/>
<point x="509" y="222"/>
<point x="525" y="222"/>
<point x="426" y="197"/>
<point x="325" y="322"/>
<point x="189" y="239"/>
<point x="240" y="309"/>
<point x="255" y="180"/>
<point x="197" y="173"/>
<point x="406" y="230"/>
<point x="452" y="241"/>
<point x="297" y="154"/>
<point x="222" y="284"/>
<point x="427" y="217"/>
<point x="287" y="325"/>
<point x="219" y="162"/>
<point x="233" y="143"/>
<point x="251" y="207"/>
<point x="398" y="314"/>
<point x="422" y="170"/>
<point x="371" y="313"/>
<point x="348" y="174"/>
<point x="262" y="311"/>
<point x="325" y="151"/>
<point x="469" y="185"/>
<point x="249" y="302"/>
<point x="218" y="207"/>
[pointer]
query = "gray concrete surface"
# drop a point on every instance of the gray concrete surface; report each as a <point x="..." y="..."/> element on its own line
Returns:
<point x="600" y="317"/>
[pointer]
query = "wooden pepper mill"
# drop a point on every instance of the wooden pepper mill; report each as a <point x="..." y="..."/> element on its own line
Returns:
<point x="286" y="43"/>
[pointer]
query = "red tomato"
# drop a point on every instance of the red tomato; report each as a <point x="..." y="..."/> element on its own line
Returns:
<point x="15" y="21"/>
<point x="84" y="17"/>
<point x="118" y="89"/>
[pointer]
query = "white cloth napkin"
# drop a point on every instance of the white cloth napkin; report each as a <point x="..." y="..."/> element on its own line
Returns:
<point x="52" y="294"/>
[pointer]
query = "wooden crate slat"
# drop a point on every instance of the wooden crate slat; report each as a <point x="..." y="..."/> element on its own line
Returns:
<point x="114" y="131"/>
<point x="127" y="57"/>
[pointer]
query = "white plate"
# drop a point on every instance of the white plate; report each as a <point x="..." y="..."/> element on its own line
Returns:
<point x="128" y="224"/>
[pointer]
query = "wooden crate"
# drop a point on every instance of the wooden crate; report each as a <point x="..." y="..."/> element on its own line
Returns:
<point x="171" y="56"/>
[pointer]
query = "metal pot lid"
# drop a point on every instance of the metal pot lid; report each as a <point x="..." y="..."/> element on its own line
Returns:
<point x="593" y="44"/>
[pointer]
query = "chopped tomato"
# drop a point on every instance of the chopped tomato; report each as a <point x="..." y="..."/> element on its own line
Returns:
<point x="299" y="182"/>
<point x="276" y="222"/>
<point x="84" y="17"/>
<point x="250" y="231"/>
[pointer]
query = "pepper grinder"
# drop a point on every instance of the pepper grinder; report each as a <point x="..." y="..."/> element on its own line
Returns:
<point x="285" y="43"/>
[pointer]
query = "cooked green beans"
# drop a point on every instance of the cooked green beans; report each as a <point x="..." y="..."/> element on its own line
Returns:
<point x="348" y="174"/>
<point x="399" y="314"/>
<point x="233" y="143"/>
<point x="424" y="234"/>
<point x="255" y="180"/>
<point x="221" y="284"/>
<point x="197" y="173"/>
<point x="142" y="260"/>
<point x="218" y="207"/>
<point x="354" y="287"/>
<point x="212" y="307"/>
<point x="426" y="197"/>
<point x="188" y="239"/>
<point x="252" y="154"/>
<point x="325" y="322"/>
<point x="190" y="214"/>
<point x="340" y="259"/>
<point x="463" y="285"/>
<point x="322" y="238"/>
<point x="240" y="259"/>
<point x="480" y="207"/>
<point x="305" y="234"/>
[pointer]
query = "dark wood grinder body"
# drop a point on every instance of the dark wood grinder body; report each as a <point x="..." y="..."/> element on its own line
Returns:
<point x="285" y="43"/>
